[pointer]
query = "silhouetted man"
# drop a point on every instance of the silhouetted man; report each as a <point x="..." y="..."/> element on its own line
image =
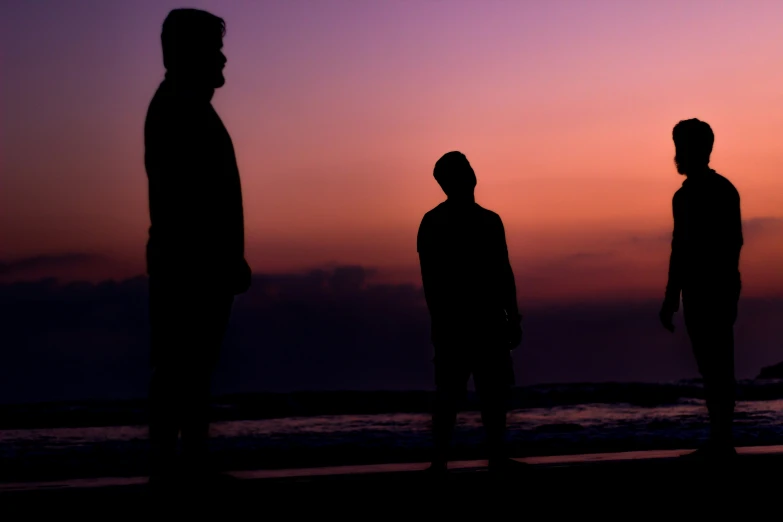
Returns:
<point x="195" y="252"/>
<point x="704" y="266"/>
<point x="471" y="295"/>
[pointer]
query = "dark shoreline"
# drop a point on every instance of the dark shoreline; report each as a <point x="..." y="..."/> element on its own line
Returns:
<point x="261" y="406"/>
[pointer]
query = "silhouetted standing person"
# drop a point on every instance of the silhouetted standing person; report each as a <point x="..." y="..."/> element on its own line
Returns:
<point x="195" y="252"/>
<point x="704" y="266"/>
<point x="471" y="295"/>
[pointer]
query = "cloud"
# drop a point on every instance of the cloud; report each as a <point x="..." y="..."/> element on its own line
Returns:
<point x="69" y="266"/>
<point x="763" y="226"/>
<point x="45" y="262"/>
<point x="636" y="265"/>
<point x="654" y="240"/>
<point x="754" y="228"/>
<point x="342" y="327"/>
<point x="330" y="330"/>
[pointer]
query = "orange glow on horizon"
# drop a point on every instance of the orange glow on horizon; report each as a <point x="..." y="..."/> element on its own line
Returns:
<point x="339" y="113"/>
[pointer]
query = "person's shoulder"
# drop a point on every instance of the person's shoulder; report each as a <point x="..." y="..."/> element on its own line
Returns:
<point x="485" y="211"/>
<point x="162" y="98"/>
<point x="165" y="103"/>
<point x="435" y="214"/>
<point x="679" y="193"/>
<point x="489" y="216"/>
<point x="163" y="108"/>
<point x="725" y="184"/>
<point x="431" y="220"/>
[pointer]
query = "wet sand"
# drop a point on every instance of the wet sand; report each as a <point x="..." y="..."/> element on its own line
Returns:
<point x="633" y="483"/>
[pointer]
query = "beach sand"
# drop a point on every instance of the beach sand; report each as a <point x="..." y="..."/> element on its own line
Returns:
<point x="631" y="484"/>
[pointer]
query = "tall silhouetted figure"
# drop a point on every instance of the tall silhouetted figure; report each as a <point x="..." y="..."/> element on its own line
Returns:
<point x="704" y="267"/>
<point x="471" y="295"/>
<point x="195" y="252"/>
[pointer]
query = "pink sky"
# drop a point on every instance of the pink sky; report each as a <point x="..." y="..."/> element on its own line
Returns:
<point x="339" y="109"/>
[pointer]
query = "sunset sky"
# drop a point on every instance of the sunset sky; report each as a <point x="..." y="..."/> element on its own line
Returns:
<point x="339" y="110"/>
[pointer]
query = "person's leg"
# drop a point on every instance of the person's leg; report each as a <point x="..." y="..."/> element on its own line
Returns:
<point x="712" y="337"/>
<point x="210" y="322"/>
<point x="494" y="379"/>
<point x="451" y="378"/>
<point x="164" y="420"/>
<point x="720" y="387"/>
<point x="195" y="418"/>
<point x="164" y="417"/>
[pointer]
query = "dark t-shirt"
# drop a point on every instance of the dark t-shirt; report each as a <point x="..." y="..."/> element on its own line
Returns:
<point x="195" y="197"/>
<point x="464" y="259"/>
<point x="706" y="241"/>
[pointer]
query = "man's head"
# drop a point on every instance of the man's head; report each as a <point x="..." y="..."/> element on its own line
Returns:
<point x="693" y="140"/>
<point x="192" y="47"/>
<point x="455" y="175"/>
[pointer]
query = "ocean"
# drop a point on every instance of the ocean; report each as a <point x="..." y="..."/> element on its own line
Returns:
<point x="309" y="429"/>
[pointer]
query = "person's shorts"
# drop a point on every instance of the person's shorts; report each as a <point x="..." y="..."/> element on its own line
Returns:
<point x="186" y="326"/>
<point x="491" y="370"/>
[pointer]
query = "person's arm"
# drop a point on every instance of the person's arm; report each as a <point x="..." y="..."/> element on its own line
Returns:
<point x="729" y="238"/>
<point x="177" y="165"/>
<point x="428" y="282"/>
<point x="674" y="283"/>
<point x="735" y="228"/>
<point x="428" y="268"/>
<point x="508" y="287"/>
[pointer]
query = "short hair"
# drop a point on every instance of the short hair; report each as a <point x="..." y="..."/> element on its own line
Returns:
<point x="185" y="30"/>
<point x="695" y="137"/>
<point x="449" y="164"/>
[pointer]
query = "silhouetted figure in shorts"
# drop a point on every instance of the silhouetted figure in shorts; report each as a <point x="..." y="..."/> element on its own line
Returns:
<point x="471" y="295"/>
<point x="195" y="252"/>
<point x="704" y="267"/>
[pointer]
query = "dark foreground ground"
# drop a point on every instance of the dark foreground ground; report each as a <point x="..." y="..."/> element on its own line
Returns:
<point x="653" y="485"/>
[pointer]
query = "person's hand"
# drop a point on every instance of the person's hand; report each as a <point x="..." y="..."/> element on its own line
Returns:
<point x="666" y="315"/>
